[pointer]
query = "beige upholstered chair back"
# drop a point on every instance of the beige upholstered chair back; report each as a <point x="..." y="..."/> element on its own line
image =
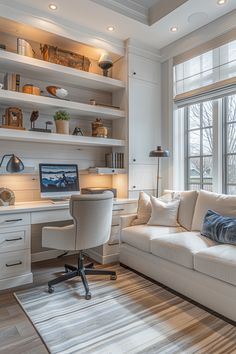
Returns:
<point x="92" y="216"/>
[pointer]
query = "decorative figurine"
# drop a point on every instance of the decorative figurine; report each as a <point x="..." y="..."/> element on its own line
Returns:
<point x="98" y="130"/>
<point x="34" y="116"/>
<point x="77" y="131"/>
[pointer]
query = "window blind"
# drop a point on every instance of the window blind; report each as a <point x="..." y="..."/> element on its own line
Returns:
<point x="206" y="76"/>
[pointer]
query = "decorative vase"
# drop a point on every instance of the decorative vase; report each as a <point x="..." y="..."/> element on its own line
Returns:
<point x="62" y="126"/>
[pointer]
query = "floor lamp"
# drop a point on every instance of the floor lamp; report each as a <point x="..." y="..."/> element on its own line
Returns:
<point x="158" y="153"/>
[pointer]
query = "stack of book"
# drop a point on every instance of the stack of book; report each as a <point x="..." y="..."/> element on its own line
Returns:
<point x="115" y="160"/>
<point x="12" y="82"/>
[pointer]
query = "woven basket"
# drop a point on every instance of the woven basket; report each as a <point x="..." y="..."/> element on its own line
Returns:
<point x="64" y="57"/>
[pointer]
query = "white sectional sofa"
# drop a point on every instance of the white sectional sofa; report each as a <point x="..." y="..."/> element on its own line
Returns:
<point x="181" y="258"/>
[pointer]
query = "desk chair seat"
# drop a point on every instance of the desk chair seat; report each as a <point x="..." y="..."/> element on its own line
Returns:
<point x="92" y="216"/>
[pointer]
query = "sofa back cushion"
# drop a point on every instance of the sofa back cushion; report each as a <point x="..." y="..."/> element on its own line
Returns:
<point x="186" y="206"/>
<point x="220" y="203"/>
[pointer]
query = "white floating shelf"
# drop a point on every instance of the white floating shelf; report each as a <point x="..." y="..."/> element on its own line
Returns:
<point x="51" y="105"/>
<point x="52" y="138"/>
<point x="106" y="170"/>
<point x="43" y="70"/>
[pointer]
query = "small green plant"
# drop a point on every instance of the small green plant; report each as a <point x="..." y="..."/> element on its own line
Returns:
<point x="61" y="115"/>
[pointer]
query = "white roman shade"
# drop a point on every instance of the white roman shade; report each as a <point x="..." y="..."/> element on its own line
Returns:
<point x="209" y="75"/>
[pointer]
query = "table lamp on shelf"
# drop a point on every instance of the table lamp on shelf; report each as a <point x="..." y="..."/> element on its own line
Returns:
<point x="14" y="164"/>
<point x="158" y="153"/>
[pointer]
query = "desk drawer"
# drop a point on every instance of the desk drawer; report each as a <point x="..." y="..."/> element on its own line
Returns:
<point x="14" y="263"/>
<point x="8" y="220"/>
<point x="14" y="238"/>
<point x="128" y="208"/>
<point x="40" y="217"/>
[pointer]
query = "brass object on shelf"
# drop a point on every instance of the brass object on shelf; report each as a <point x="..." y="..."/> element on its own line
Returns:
<point x="98" y="129"/>
<point x="31" y="89"/>
<point x="64" y="57"/>
<point x="13" y="119"/>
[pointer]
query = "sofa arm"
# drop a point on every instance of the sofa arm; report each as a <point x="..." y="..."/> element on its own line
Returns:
<point x="126" y="220"/>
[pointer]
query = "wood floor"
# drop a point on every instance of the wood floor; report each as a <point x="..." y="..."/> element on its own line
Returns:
<point x="17" y="334"/>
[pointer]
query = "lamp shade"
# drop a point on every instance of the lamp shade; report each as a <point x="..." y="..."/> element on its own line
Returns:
<point x="14" y="164"/>
<point x="159" y="152"/>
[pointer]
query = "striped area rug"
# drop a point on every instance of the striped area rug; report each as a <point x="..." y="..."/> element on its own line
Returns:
<point x="130" y="315"/>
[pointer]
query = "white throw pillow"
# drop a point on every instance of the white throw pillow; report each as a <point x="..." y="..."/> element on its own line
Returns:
<point x="186" y="206"/>
<point x="144" y="209"/>
<point x="220" y="203"/>
<point x="164" y="213"/>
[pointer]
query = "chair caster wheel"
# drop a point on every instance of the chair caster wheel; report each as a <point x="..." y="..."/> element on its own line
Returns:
<point x="50" y="290"/>
<point x="113" y="277"/>
<point x="88" y="296"/>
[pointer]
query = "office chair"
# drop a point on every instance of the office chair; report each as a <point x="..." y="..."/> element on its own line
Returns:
<point x="92" y="216"/>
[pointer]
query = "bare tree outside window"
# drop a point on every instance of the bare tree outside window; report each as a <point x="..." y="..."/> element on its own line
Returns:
<point x="200" y="146"/>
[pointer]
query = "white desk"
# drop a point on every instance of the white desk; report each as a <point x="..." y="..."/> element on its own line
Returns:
<point x="16" y="223"/>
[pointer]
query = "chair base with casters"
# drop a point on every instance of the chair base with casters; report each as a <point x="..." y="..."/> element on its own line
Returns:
<point x="81" y="271"/>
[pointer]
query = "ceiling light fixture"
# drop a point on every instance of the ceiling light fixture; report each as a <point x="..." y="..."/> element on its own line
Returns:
<point x="221" y="2"/>
<point x="52" y="7"/>
<point x="174" y="29"/>
<point x="111" y="28"/>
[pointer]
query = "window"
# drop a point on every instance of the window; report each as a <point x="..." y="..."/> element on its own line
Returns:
<point x="230" y="144"/>
<point x="200" y="146"/>
<point x="204" y="154"/>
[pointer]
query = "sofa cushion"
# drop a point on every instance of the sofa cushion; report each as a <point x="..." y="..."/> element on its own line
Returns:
<point x="186" y="206"/>
<point x="218" y="262"/>
<point x="164" y="213"/>
<point x="219" y="228"/>
<point x="139" y="236"/>
<point x="221" y="203"/>
<point x="180" y="247"/>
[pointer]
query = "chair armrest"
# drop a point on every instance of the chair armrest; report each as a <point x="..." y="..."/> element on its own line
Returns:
<point x="126" y="220"/>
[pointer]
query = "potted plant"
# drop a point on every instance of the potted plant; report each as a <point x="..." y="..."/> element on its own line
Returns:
<point x="62" y="122"/>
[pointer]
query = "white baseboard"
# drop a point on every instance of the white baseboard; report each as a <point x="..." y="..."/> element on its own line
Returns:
<point x="42" y="256"/>
<point x="13" y="282"/>
<point x="102" y="259"/>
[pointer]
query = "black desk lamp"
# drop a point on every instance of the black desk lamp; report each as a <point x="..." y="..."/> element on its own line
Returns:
<point x="159" y="153"/>
<point x="14" y="164"/>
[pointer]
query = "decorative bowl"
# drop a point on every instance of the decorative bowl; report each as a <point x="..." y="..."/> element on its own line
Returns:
<point x="57" y="91"/>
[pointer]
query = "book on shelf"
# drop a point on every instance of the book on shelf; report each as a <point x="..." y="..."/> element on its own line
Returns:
<point x="12" y="82"/>
<point x="115" y="160"/>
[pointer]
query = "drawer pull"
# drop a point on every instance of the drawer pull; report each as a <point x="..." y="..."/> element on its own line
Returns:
<point x="13" y="264"/>
<point x="118" y="209"/>
<point x="13" y="220"/>
<point x="13" y="239"/>
<point x="115" y="225"/>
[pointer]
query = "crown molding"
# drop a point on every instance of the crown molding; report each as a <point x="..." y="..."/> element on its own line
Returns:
<point x="128" y="8"/>
<point x="61" y="27"/>
<point x="134" y="46"/>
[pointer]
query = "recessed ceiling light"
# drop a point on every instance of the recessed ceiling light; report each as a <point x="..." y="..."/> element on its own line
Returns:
<point x="174" y="29"/>
<point x="52" y="7"/>
<point x="111" y="28"/>
<point x="221" y="2"/>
